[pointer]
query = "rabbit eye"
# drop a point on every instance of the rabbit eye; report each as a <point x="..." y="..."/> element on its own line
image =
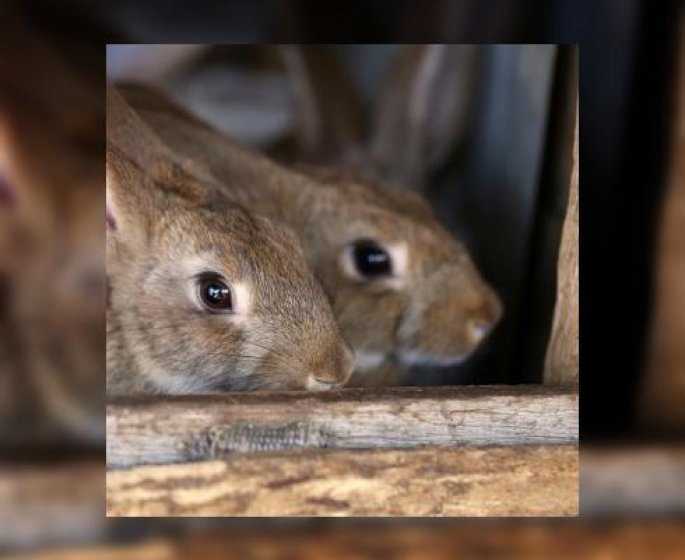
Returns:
<point x="370" y="259"/>
<point x="215" y="294"/>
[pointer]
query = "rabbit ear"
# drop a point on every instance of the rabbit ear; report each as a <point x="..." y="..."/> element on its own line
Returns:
<point x="127" y="195"/>
<point x="422" y="111"/>
<point x="165" y="171"/>
<point x="129" y="199"/>
<point x="329" y="115"/>
<point x="129" y="134"/>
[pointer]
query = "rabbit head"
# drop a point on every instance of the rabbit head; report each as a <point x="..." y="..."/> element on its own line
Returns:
<point x="205" y="296"/>
<point x="403" y="289"/>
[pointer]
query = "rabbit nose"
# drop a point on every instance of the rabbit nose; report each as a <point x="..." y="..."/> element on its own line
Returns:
<point x="335" y="377"/>
<point x="485" y="318"/>
<point x="478" y="329"/>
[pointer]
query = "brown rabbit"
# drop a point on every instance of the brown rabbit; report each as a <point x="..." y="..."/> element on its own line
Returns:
<point x="204" y="295"/>
<point x="403" y="290"/>
<point x="422" y="111"/>
<point x="52" y="270"/>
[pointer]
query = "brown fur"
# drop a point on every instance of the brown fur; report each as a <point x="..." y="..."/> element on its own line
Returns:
<point x="51" y="240"/>
<point x="158" y="340"/>
<point x="430" y="318"/>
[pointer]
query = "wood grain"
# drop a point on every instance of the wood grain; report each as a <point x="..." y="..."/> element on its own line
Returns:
<point x="178" y="429"/>
<point x="498" y="481"/>
<point x="562" y="360"/>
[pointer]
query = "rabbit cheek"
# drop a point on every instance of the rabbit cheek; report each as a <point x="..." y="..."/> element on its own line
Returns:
<point x="446" y="332"/>
<point x="368" y="320"/>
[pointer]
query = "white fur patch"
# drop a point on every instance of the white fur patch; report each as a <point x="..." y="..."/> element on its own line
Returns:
<point x="400" y="259"/>
<point x="367" y="360"/>
<point x="315" y="385"/>
<point x="418" y="358"/>
<point x="242" y="298"/>
<point x="171" y="384"/>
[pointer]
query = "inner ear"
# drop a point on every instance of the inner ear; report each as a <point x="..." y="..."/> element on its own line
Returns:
<point x="110" y="222"/>
<point x="129" y="201"/>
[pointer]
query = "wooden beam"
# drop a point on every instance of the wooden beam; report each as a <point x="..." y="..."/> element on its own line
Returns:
<point x="405" y="540"/>
<point x="562" y="360"/>
<point x="179" y="429"/>
<point x="633" y="480"/>
<point x="55" y="502"/>
<point x="496" y="481"/>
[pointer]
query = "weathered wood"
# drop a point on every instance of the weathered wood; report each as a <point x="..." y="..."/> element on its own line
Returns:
<point x="408" y="540"/>
<point x="562" y="361"/>
<point x="177" y="429"/>
<point x="664" y="390"/>
<point x="151" y="550"/>
<point x="496" y="481"/>
<point x="615" y="482"/>
<point x="633" y="480"/>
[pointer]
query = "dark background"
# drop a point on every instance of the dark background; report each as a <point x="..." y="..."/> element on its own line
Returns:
<point x="626" y="73"/>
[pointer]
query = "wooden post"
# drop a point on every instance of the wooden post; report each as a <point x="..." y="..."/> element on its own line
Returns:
<point x="403" y="540"/>
<point x="561" y="362"/>
<point x="662" y="406"/>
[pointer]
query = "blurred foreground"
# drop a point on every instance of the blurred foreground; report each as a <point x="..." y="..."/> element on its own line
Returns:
<point x="52" y="297"/>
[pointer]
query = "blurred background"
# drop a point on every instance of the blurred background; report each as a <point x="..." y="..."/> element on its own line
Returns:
<point x="632" y="146"/>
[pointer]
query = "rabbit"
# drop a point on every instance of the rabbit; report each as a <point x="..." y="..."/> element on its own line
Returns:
<point x="422" y="111"/>
<point x="52" y="270"/>
<point x="204" y="295"/>
<point x="403" y="290"/>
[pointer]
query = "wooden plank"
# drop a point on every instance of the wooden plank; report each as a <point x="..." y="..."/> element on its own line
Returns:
<point x="562" y="360"/>
<point x="664" y="389"/>
<point x="51" y="503"/>
<point x="178" y="429"/>
<point x="616" y="482"/>
<point x="406" y="540"/>
<point x="633" y="480"/>
<point x="495" y="481"/>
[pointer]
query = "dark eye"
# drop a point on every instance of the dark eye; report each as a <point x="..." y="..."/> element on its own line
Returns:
<point x="370" y="259"/>
<point x="215" y="294"/>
